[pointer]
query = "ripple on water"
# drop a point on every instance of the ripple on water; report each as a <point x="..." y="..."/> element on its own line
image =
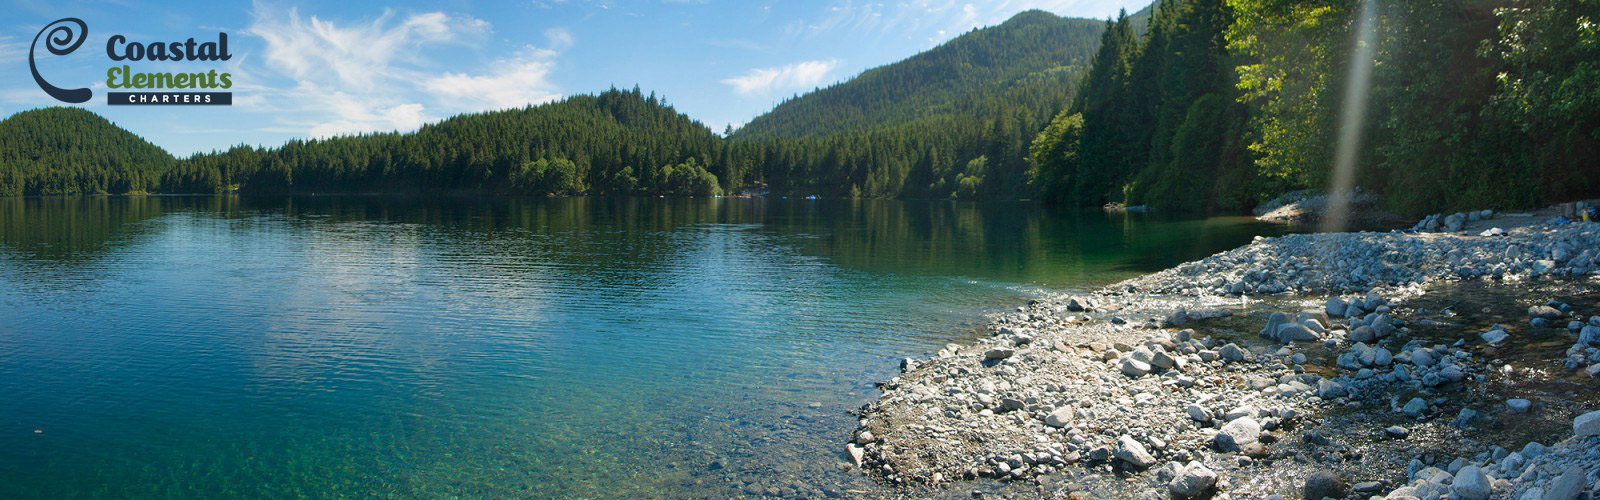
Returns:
<point x="575" y="347"/>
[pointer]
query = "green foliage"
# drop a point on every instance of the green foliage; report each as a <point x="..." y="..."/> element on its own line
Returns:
<point x="1156" y="116"/>
<point x="911" y="129"/>
<point x="1222" y="104"/>
<point x="73" y="151"/>
<point x="1053" y="157"/>
<point x="1548" y="93"/>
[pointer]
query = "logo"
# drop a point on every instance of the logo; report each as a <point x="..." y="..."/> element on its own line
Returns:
<point x="61" y="39"/>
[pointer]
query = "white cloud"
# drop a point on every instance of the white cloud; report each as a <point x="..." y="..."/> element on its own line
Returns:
<point x="368" y="76"/>
<point x="12" y="50"/>
<point x="516" y="82"/>
<point x="800" y="75"/>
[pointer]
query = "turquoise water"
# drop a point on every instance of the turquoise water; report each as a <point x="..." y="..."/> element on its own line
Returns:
<point x="169" y="346"/>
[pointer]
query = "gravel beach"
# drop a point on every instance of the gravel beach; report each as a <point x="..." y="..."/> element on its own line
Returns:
<point x="1303" y="366"/>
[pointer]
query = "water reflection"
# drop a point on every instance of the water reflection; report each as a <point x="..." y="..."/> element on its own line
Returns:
<point x="365" y="346"/>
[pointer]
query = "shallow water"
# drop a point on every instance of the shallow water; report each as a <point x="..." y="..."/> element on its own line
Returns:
<point x="561" y="347"/>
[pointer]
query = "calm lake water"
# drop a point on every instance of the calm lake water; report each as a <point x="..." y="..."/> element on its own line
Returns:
<point x="202" y="347"/>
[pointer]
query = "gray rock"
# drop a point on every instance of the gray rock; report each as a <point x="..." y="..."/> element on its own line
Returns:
<point x="1383" y="326"/>
<point x="1545" y="312"/>
<point x="1142" y="354"/>
<point x="1194" y="481"/>
<point x="1567" y="486"/>
<point x="1335" y="307"/>
<point x="1059" y="418"/>
<point x="1134" y="368"/>
<point x="1324" y="484"/>
<point x="1494" y="336"/>
<point x="1238" y="433"/>
<point x="1465" y="418"/>
<point x="1471" y="484"/>
<point x="999" y="353"/>
<point x="1295" y="332"/>
<point x="1231" y="352"/>
<point x="1328" y="389"/>
<point x="1589" y="335"/>
<point x="1362" y="334"/>
<point x="1397" y="432"/>
<point x="1129" y="450"/>
<point x="1452" y="373"/>
<point x="1587" y="424"/>
<point x="1198" y="413"/>
<point x="1519" y="405"/>
<point x="1423" y="357"/>
<point x="857" y="454"/>
<point x="1163" y="360"/>
<point x="1274" y="321"/>
<point x="1416" y="408"/>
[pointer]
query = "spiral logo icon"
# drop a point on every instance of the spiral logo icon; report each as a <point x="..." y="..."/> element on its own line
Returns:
<point x="62" y="40"/>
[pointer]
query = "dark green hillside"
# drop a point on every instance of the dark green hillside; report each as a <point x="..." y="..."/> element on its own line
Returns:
<point x="74" y="151"/>
<point x="1016" y="61"/>
<point x="615" y="142"/>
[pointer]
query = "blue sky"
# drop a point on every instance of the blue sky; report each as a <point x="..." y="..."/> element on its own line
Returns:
<point x="315" y="69"/>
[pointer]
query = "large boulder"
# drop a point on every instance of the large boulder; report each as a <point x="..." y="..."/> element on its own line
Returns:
<point x="1587" y="424"/>
<point x="1238" y="433"/>
<point x="1471" y="484"/>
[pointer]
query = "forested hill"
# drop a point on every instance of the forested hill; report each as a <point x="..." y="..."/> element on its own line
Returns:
<point x="1019" y="60"/>
<point x="617" y="142"/>
<point x="74" y="151"/>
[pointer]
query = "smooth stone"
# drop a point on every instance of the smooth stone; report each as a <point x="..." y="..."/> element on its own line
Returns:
<point x="1471" y="484"/>
<point x="1134" y="368"/>
<point x="1586" y="425"/>
<point x="857" y="453"/>
<point x="1001" y="353"/>
<point x="1519" y="405"/>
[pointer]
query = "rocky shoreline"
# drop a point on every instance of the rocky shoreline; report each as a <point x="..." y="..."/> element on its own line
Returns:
<point x="1308" y="365"/>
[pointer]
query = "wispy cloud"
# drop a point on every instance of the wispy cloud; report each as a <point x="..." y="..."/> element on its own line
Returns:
<point x="518" y="81"/>
<point x="376" y="76"/>
<point x="795" y="76"/>
<point x="12" y="50"/>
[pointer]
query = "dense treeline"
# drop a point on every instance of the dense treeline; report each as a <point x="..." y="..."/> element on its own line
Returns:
<point x="73" y="151"/>
<point x="1224" y="103"/>
<point x="954" y="121"/>
<point x="618" y="142"/>
<point x="1216" y="105"/>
